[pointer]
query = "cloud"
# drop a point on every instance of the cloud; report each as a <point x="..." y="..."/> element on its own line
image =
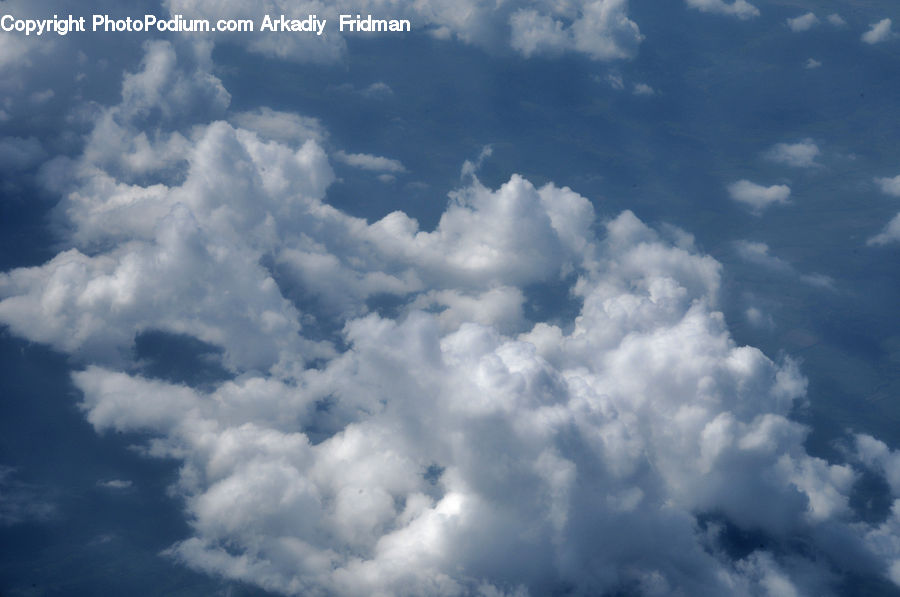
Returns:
<point x="378" y="89"/>
<point x="285" y="127"/>
<point x="758" y="253"/>
<point x="367" y="161"/>
<point x="738" y="8"/>
<point x="758" y="197"/>
<point x="18" y="153"/>
<point x="798" y="155"/>
<point x="643" y="89"/>
<point x="599" y="29"/>
<point x="615" y="81"/>
<point x="181" y="229"/>
<point x="757" y="318"/>
<point x="22" y="502"/>
<point x="889" y="186"/>
<point x="116" y="484"/>
<point x="875" y="454"/>
<point x="811" y="63"/>
<point x="890" y="234"/>
<point x="804" y="22"/>
<point x="396" y="418"/>
<point x="880" y="31"/>
<point x="836" y="20"/>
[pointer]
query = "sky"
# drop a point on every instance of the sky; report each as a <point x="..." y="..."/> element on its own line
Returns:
<point x="582" y="297"/>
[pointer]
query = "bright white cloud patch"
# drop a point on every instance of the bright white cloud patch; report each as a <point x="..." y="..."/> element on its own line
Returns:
<point x="879" y="32"/>
<point x="737" y="8"/>
<point x="758" y="197"/>
<point x="799" y="155"/>
<point x="804" y="22"/>
<point x="450" y="444"/>
<point x="836" y="20"/>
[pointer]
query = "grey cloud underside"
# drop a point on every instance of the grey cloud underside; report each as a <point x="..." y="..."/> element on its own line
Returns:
<point x="452" y="445"/>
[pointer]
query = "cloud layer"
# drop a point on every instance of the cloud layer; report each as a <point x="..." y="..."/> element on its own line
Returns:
<point x="600" y="29"/>
<point x="396" y="419"/>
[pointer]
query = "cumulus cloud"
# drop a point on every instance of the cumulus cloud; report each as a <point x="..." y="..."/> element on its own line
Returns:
<point x="449" y="443"/>
<point x="879" y="32"/>
<point x="738" y="8"/>
<point x="836" y="20"/>
<point x="758" y="197"/>
<point x="600" y="29"/>
<point x="804" y="22"/>
<point x="643" y="89"/>
<point x="367" y="161"/>
<point x="800" y="155"/>
<point x="811" y="63"/>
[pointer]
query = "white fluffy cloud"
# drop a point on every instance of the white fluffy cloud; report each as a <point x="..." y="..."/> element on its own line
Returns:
<point x="451" y="445"/>
<point x="879" y="32"/>
<point x="804" y="22"/>
<point x="738" y="8"/>
<point x="758" y="197"/>
<point x="800" y="155"/>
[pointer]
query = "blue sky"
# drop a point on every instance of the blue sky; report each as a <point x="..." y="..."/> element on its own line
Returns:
<point x="592" y="297"/>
